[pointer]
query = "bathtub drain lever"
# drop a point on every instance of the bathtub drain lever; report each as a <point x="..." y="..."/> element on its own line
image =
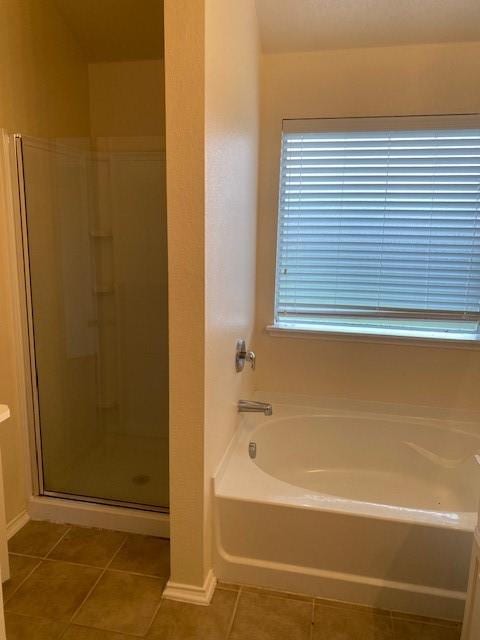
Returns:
<point x="252" y="450"/>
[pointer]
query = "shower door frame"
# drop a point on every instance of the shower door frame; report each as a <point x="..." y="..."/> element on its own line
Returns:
<point x="28" y="343"/>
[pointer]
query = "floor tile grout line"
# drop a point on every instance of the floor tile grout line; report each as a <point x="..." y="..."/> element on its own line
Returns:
<point x="6" y="600"/>
<point x="70" y="625"/>
<point x="90" y="591"/>
<point x="96" y="566"/>
<point x="312" y="621"/>
<point x="142" y="575"/>
<point x="352" y="606"/>
<point x="39" y="559"/>
<point x="69" y="528"/>
<point x="26" y="555"/>
<point x="81" y="605"/>
<point x="75" y="564"/>
<point x="348" y="610"/>
<point x="234" y="613"/>
<point x="157" y="608"/>
<point x="392" y="628"/>
<point x="44" y="556"/>
<point x="155" y="613"/>
<point x="28" y="616"/>
<point x="436" y="622"/>
<point x="271" y="593"/>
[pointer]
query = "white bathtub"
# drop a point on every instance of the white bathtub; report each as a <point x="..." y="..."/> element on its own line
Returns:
<point x="365" y="504"/>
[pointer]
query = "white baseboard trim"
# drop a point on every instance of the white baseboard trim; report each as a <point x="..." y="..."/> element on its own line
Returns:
<point x="102" y="516"/>
<point x="190" y="593"/>
<point x="16" y="524"/>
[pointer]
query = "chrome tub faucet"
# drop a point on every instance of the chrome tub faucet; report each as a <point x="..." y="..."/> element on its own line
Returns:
<point x="253" y="406"/>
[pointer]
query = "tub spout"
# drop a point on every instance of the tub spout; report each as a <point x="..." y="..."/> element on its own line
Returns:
<point x="252" y="406"/>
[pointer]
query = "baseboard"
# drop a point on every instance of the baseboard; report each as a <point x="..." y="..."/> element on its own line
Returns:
<point x="190" y="593"/>
<point x="102" y="516"/>
<point x="16" y="524"/>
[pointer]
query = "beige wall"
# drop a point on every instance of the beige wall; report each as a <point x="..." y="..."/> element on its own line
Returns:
<point x="44" y="92"/>
<point x="43" y="75"/>
<point x="231" y="131"/>
<point x="212" y="127"/>
<point x="185" y="126"/>
<point x="430" y="79"/>
<point x="127" y="98"/>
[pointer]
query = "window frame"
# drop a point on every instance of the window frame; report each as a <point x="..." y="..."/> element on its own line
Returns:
<point x="336" y="330"/>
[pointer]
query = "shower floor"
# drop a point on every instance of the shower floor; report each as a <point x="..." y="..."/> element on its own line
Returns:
<point x="124" y="468"/>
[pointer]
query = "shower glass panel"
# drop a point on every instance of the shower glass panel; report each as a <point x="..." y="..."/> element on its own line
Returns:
<point x="95" y="230"/>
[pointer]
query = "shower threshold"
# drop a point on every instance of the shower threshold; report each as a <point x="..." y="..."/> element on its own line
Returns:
<point x="113" y="503"/>
<point x="89" y="512"/>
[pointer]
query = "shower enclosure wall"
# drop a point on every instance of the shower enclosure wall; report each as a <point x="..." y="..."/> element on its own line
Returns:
<point x="94" y="238"/>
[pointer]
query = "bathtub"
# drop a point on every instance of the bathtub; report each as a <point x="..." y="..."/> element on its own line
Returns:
<point x="369" y="504"/>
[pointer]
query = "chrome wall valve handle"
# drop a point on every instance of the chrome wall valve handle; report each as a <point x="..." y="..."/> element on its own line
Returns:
<point x="242" y="356"/>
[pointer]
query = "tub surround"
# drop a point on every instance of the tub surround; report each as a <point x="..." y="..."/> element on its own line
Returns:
<point x="365" y="503"/>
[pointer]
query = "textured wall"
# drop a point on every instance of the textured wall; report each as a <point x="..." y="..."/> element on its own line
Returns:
<point x="231" y="121"/>
<point x="431" y="79"/>
<point x="212" y="129"/>
<point x="185" y="95"/>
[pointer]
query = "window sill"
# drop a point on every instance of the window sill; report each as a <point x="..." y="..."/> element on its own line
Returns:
<point x="406" y="338"/>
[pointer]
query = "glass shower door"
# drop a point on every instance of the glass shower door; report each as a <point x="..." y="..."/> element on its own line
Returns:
<point x="95" y="220"/>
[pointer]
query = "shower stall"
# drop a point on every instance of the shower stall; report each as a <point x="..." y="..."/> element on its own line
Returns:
<point x="93" y="235"/>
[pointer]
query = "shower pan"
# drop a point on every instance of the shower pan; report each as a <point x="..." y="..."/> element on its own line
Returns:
<point x="93" y="219"/>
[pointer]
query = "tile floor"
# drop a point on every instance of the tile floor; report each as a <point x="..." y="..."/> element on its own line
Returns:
<point x="74" y="583"/>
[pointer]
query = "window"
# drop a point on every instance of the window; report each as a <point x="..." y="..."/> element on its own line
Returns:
<point x="379" y="227"/>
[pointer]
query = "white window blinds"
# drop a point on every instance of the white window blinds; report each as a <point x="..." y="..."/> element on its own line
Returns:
<point x="380" y="227"/>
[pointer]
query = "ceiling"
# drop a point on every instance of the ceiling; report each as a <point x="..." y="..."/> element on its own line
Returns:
<point x="310" y="25"/>
<point x="112" y="30"/>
